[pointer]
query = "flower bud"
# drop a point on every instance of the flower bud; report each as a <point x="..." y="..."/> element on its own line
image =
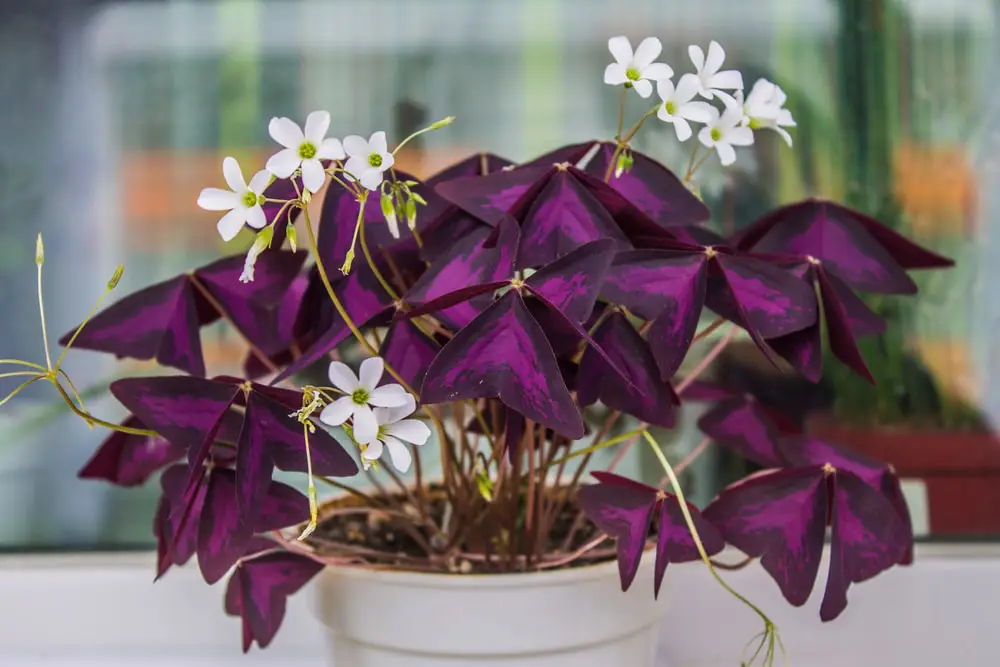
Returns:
<point x="261" y="243"/>
<point x="389" y="212"/>
<point x="411" y="214"/>
<point x="292" y="236"/>
<point x="444" y="122"/>
<point x="39" y="251"/>
<point x="113" y="283"/>
<point x="621" y="164"/>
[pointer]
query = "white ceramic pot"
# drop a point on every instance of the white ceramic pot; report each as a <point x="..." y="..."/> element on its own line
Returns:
<point x="567" y="618"/>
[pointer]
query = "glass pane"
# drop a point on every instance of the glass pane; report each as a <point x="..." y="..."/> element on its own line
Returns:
<point x="124" y="111"/>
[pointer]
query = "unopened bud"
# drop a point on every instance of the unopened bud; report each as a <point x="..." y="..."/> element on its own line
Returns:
<point x="113" y="283"/>
<point x="261" y="243"/>
<point x="621" y="165"/>
<point x="420" y="200"/>
<point x="292" y="236"/>
<point x="306" y="196"/>
<point x="444" y="122"/>
<point x="39" y="251"/>
<point x="484" y="485"/>
<point x="389" y="213"/>
<point x="411" y="213"/>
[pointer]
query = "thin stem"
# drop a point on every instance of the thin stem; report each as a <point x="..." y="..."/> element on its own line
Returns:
<point x="41" y="311"/>
<point x="371" y="500"/>
<point x="264" y="359"/>
<point x="14" y="374"/>
<point x="690" y="458"/>
<point x="690" y="168"/>
<point x="704" y="363"/>
<point x="707" y="331"/>
<point x="689" y="520"/>
<point x="18" y="362"/>
<point x="371" y="262"/>
<point x="621" y="113"/>
<point x="76" y="333"/>
<point x="18" y="388"/>
<point x="72" y="388"/>
<point x="92" y="419"/>
<point x="430" y="128"/>
<point x="310" y="489"/>
<point x="601" y="445"/>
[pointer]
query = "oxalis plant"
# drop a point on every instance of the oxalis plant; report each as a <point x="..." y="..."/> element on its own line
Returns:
<point x="521" y="316"/>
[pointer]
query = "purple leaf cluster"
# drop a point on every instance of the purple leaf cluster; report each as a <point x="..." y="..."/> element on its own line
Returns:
<point x="541" y="289"/>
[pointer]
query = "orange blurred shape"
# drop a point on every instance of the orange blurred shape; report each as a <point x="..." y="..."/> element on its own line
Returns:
<point x="936" y="187"/>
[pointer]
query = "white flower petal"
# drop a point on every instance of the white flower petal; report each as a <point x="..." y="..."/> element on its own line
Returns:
<point x="377" y="143"/>
<point x="700" y="112"/>
<point x="365" y="426"/>
<point x="286" y="132"/>
<point x="387" y="396"/>
<point x="317" y="123"/>
<point x="342" y="377"/>
<point x="373" y="450"/>
<point x="331" y="149"/>
<point x="259" y="182"/>
<point x="726" y="153"/>
<point x="687" y="87"/>
<point x="371" y="372"/>
<point x="396" y="413"/>
<point x="665" y="89"/>
<point x="621" y="49"/>
<point x="784" y="135"/>
<point x="217" y="199"/>
<point x="231" y="223"/>
<point x="410" y="430"/>
<point x="233" y="174"/>
<point x="371" y="178"/>
<point x="732" y="116"/>
<point x="356" y="146"/>
<point x="356" y="166"/>
<point x="785" y="118"/>
<point x="614" y="74"/>
<point x="336" y="413"/>
<point x="697" y="57"/>
<point x="656" y="71"/>
<point x="716" y="56"/>
<point x="388" y="160"/>
<point x="313" y="176"/>
<point x="647" y="51"/>
<point x="683" y="129"/>
<point x="255" y="217"/>
<point x="398" y="454"/>
<point x="643" y="87"/>
<point x="728" y="80"/>
<point x="663" y="115"/>
<point x="283" y="163"/>
<point x="705" y="137"/>
<point x="740" y="136"/>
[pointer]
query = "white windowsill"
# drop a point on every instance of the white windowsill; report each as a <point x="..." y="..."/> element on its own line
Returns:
<point x="103" y="609"/>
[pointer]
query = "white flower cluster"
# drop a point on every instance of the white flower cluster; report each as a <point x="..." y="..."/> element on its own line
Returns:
<point x="303" y="152"/>
<point x="377" y="413"/>
<point x="733" y="126"/>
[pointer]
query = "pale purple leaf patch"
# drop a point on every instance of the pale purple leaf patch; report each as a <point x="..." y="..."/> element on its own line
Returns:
<point x="573" y="282"/>
<point x="130" y="460"/>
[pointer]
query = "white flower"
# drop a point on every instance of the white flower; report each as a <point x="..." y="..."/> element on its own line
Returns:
<point x="678" y="108"/>
<point x="241" y="200"/>
<point x="251" y="259"/>
<point x="393" y="431"/>
<point x="636" y="70"/>
<point x="368" y="159"/>
<point x="303" y="149"/>
<point x="362" y="394"/>
<point x="764" y="108"/>
<point x="724" y="131"/>
<point x="712" y="80"/>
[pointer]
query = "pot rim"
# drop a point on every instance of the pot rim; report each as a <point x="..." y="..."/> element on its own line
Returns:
<point x="490" y="580"/>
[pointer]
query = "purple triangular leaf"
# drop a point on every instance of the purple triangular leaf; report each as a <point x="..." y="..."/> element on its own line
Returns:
<point x="634" y="223"/>
<point x="624" y="513"/>
<point x="774" y="302"/>
<point x="841" y="239"/>
<point x="282" y="506"/>
<point x="573" y="282"/>
<point x="674" y="543"/>
<point x="739" y="424"/>
<point x="254" y="307"/>
<point x="451" y="302"/>
<point x="563" y="217"/>
<point x="653" y="400"/>
<point x="253" y="460"/>
<point x="504" y="194"/>
<point x="130" y="460"/>
<point x="264" y="583"/>
<point x="868" y="537"/>
<point x="803" y="350"/>
<point x="504" y="354"/>
<point x="159" y="322"/>
<point x="222" y="534"/>
<point x="652" y="188"/>
<point x="779" y="517"/>
<point x="409" y="351"/>
<point x="177" y="519"/>
<point x="838" y="327"/>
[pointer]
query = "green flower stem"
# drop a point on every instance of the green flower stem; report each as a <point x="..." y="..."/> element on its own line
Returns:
<point x="601" y="445"/>
<point x="623" y="142"/>
<point x="28" y="364"/>
<point x="18" y="388"/>
<point x="769" y="627"/>
<point x="90" y="314"/>
<point x="41" y="308"/>
<point x="94" y="420"/>
<point x="430" y="128"/>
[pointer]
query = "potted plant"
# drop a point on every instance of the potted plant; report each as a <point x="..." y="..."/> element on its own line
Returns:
<point x="494" y="310"/>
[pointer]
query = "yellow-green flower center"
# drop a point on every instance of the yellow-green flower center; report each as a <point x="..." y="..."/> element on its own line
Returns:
<point x="250" y="199"/>
<point x="375" y="160"/>
<point x="716" y="134"/>
<point x="756" y="124"/>
<point x="307" y="150"/>
<point x="360" y="396"/>
<point x="632" y="74"/>
<point x="670" y="107"/>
